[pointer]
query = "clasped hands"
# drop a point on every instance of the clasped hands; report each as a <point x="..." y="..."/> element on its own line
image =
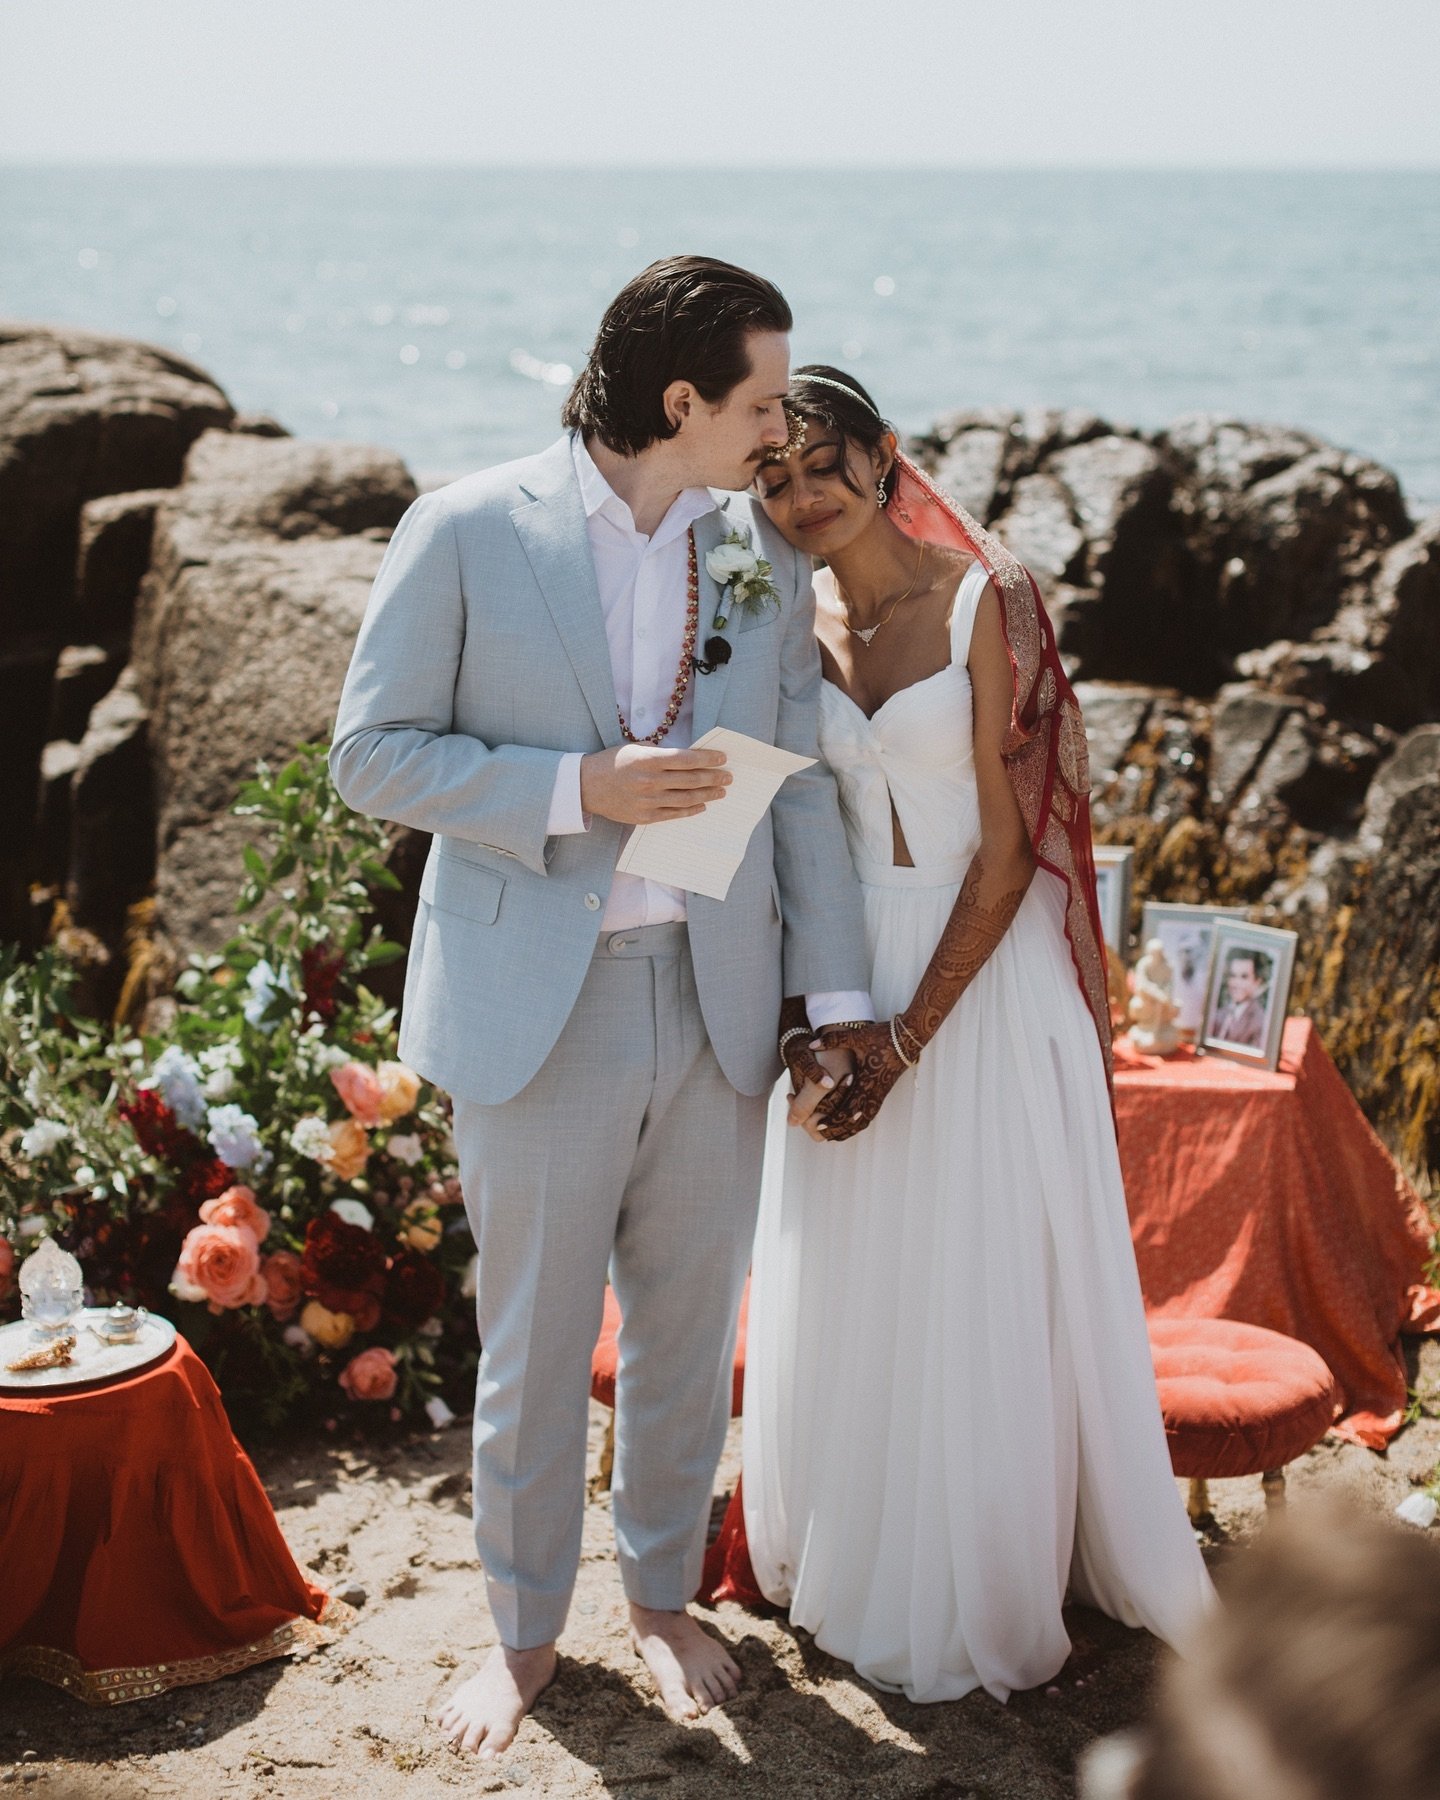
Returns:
<point x="841" y="1077"/>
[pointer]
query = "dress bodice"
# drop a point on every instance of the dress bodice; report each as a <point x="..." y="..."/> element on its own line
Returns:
<point x="917" y="751"/>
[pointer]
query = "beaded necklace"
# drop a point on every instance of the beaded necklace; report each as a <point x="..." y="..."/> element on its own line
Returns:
<point x="687" y="667"/>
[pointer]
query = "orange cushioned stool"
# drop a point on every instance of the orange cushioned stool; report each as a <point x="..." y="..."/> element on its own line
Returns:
<point x="1238" y="1400"/>
<point x="604" y="1362"/>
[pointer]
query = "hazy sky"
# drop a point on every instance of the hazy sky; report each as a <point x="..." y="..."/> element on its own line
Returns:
<point x="1149" y="83"/>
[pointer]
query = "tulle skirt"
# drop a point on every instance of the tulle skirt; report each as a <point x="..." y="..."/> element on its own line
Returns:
<point x="950" y="1409"/>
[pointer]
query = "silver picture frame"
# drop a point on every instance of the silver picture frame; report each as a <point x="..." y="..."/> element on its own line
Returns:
<point x="1114" y="886"/>
<point x="1188" y="934"/>
<point x="1251" y="969"/>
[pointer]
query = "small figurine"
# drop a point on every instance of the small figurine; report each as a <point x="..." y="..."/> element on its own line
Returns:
<point x="58" y="1354"/>
<point x="1152" y="1010"/>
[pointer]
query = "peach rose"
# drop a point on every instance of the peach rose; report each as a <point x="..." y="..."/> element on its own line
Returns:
<point x="420" y="1225"/>
<point x="281" y="1270"/>
<point x="399" y="1090"/>
<point x="237" y="1206"/>
<point x="349" y="1148"/>
<point x="359" y="1087"/>
<point x="332" y="1329"/>
<point x="7" y="1265"/>
<point x="370" y="1375"/>
<point x="222" y="1262"/>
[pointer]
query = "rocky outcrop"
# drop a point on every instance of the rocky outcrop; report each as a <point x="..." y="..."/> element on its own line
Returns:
<point x="261" y="565"/>
<point x="81" y="416"/>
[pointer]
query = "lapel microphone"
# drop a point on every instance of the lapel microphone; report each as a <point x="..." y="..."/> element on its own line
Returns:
<point x="717" y="654"/>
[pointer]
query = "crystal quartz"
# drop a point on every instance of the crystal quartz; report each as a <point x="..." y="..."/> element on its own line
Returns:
<point x="1152" y="1010"/>
<point x="1418" y="1509"/>
<point x="51" y="1287"/>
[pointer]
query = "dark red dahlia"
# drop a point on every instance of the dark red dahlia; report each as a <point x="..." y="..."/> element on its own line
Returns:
<point x="207" y="1179"/>
<point x="414" y="1289"/>
<point x="320" y="968"/>
<point x="157" y="1131"/>
<point x="342" y="1264"/>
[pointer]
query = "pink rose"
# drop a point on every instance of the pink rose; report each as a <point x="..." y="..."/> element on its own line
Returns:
<point x="360" y="1088"/>
<point x="370" y="1375"/>
<point x="281" y="1270"/>
<point x="399" y="1090"/>
<point x="237" y="1206"/>
<point x="223" y="1262"/>
<point x="7" y="1265"/>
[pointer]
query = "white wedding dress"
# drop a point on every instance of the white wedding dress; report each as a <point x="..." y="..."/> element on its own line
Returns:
<point x="950" y="1407"/>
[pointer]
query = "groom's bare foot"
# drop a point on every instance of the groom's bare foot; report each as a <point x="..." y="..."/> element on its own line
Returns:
<point x="484" y="1713"/>
<point x="691" y="1671"/>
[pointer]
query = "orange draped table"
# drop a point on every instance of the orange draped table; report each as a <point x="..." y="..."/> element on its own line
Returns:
<point x="138" y="1550"/>
<point x="1267" y="1198"/>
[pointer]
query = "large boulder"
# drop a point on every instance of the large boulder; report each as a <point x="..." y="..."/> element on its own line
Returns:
<point x="80" y="416"/>
<point x="261" y="565"/>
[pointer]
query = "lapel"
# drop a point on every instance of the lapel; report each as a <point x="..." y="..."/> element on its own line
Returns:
<point x="551" y="528"/>
<point x="710" y="689"/>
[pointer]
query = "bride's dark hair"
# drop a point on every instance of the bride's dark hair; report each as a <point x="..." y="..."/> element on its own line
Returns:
<point x="830" y="398"/>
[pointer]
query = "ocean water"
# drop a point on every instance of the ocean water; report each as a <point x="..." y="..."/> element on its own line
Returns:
<point x="441" y="312"/>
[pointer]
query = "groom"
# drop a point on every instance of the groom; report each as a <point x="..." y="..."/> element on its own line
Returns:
<point x="523" y="687"/>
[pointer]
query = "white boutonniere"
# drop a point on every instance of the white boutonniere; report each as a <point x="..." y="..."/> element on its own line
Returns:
<point x="736" y="566"/>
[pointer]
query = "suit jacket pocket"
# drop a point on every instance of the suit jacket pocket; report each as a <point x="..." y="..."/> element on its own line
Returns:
<point x="464" y="888"/>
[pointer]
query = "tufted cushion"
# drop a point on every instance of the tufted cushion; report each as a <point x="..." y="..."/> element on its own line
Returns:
<point x="1238" y="1400"/>
<point x="607" y="1354"/>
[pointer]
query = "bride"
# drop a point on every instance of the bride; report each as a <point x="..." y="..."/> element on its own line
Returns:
<point x="950" y="1407"/>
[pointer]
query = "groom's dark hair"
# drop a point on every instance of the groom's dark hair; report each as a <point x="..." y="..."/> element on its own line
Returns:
<point x="685" y="318"/>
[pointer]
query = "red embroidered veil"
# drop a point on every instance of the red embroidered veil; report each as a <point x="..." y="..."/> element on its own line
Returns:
<point x="1045" y="750"/>
<point x="1046" y="756"/>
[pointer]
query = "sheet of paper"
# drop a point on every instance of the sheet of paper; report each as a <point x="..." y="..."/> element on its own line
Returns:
<point x="701" y="854"/>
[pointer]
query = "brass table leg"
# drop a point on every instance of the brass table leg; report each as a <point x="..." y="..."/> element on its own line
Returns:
<point x="1198" y="1505"/>
<point x="1273" y="1482"/>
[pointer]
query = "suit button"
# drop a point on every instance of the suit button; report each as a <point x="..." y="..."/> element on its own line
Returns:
<point x="592" y="903"/>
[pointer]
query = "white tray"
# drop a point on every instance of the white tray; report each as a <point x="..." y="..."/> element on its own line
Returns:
<point x="92" y="1364"/>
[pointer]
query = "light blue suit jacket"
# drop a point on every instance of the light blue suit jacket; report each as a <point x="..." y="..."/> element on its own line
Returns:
<point x="481" y="661"/>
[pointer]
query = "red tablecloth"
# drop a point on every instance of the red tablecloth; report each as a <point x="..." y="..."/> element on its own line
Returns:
<point x="138" y="1550"/>
<point x="1268" y="1199"/>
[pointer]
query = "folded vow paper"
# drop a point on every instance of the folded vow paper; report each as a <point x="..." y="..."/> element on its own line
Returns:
<point x="702" y="853"/>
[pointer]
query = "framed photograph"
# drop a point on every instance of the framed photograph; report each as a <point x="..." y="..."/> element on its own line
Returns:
<point x="1188" y="934"/>
<point x="1113" y="880"/>
<point x="1250" y="972"/>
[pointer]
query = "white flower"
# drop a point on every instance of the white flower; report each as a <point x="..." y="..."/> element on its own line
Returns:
<point x="264" y="984"/>
<point x="470" y="1280"/>
<point x="84" y="1175"/>
<point x="299" y="1339"/>
<point x="227" y="1054"/>
<point x="330" y="1056"/>
<point x="1418" y="1509"/>
<point x="407" y="1149"/>
<point x="177" y="1080"/>
<point x="34" y="1225"/>
<point x="730" y="560"/>
<point x="310" y="1137"/>
<point x="42" y="1137"/>
<point x="354" y="1212"/>
<point x="235" y="1138"/>
<point x="431" y="1328"/>
<point x="220" y="1085"/>
<point x="438" y="1413"/>
<point x="31" y="1090"/>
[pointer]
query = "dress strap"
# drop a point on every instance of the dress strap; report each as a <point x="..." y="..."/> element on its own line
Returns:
<point x="962" y="614"/>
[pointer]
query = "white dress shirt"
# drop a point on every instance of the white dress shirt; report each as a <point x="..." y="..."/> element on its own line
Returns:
<point x="642" y="582"/>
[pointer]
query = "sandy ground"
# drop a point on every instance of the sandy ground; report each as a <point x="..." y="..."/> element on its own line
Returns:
<point x="351" y="1719"/>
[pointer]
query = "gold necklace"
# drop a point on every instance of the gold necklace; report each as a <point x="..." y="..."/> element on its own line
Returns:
<point x="869" y="631"/>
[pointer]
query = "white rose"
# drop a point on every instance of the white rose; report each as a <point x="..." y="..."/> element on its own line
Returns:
<point x="220" y="1085"/>
<point x="354" y="1212"/>
<point x="438" y="1413"/>
<point x="310" y="1137"/>
<point x="726" y="562"/>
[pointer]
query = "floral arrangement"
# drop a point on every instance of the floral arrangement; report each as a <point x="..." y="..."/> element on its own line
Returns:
<point x="255" y="1163"/>
<point x="737" y="567"/>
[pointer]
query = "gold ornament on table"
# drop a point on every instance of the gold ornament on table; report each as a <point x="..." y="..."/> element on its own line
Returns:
<point x="58" y="1354"/>
<point x="1152" y="1009"/>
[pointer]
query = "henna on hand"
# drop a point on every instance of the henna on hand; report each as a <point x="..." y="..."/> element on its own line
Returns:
<point x="878" y="1066"/>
